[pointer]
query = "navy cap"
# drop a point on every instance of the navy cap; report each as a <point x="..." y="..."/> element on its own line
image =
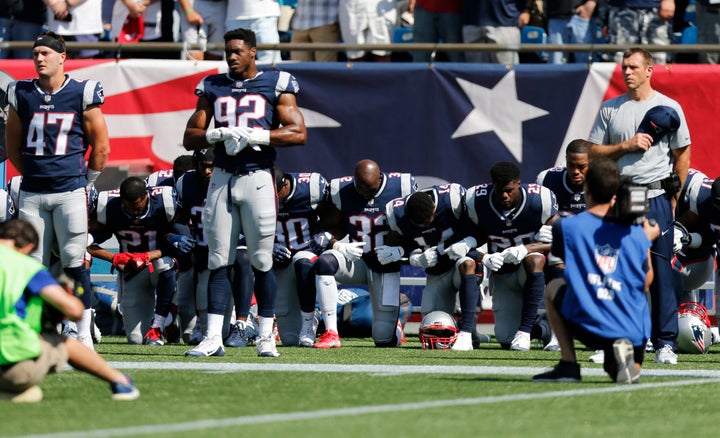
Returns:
<point x="659" y="121"/>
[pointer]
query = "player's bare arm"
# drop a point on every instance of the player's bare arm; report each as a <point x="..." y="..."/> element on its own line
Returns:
<point x="292" y="131"/>
<point x="640" y="142"/>
<point x="13" y="139"/>
<point x="194" y="137"/>
<point x="96" y="133"/>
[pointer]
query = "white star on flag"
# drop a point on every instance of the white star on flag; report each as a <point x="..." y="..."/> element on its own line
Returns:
<point x="499" y="110"/>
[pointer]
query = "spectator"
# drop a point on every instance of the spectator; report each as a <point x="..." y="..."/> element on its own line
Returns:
<point x="139" y="218"/>
<point x="287" y="12"/>
<point x="28" y="355"/>
<point x="437" y="21"/>
<point x="358" y="218"/>
<point x="204" y="23"/>
<point x="260" y="16"/>
<point x="76" y="20"/>
<point x="707" y="14"/>
<point x="434" y="222"/>
<point x="20" y="21"/>
<point x="143" y="21"/>
<point x="507" y="216"/>
<point x="297" y="240"/>
<point x="569" y="22"/>
<point x="315" y="21"/>
<point x="241" y="197"/>
<point x="55" y="175"/>
<point x="368" y="22"/>
<point x="601" y="301"/>
<point x="658" y="160"/>
<point x="638" y="22"/>
<point x="492" y="22"/>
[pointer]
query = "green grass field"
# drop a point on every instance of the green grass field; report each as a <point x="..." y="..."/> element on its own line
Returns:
<point x="362" y="391"/>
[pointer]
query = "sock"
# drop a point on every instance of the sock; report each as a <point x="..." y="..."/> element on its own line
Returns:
<point x="266" y="326"/>
<point x="214" y="325"/>
<point x="469" y="296"/>
<point x="533" y="292"/>
<point x="158" y="321"/>
<point x="307" y="320"/>
<point x="328" y="296"/>
<point x="83" y="326"/>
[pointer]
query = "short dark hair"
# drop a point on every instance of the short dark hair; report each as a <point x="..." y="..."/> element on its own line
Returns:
<point x="419" y="207"/>
<point x="21" y="232"/>
<point x="602" y="179"/>
<point x="132" y="189"/>
<point x="578" y="146"/>
<point x="247" y="35"/>
<point x="646" y="54"/>
<point x="182" y="164"/>
<point x="279" y="177"/>
<point x="504" y="172"/>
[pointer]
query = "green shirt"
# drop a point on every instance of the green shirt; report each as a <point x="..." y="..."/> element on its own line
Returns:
<point x="21" y="279"/>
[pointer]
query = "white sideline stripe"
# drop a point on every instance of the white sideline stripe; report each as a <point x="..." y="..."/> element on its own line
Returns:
<point x="389" y="369"/>
<point x="359" y="410"/>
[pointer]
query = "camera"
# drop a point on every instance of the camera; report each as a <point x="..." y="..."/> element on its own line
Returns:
<point x="631" y="202"/>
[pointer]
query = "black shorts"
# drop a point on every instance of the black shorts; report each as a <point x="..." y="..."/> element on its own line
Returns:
<point x="591" y="340"/>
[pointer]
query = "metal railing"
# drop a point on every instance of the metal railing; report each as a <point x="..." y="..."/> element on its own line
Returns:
<point x="399" y="47"/>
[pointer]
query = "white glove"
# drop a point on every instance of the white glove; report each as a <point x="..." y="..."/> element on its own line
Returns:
<point x="218" y="134"/>
<point x="233" y="146"/>
<point x="280" y="253"/>
<point x="515" y="254"/>
<point x="389" y="254"/>
<point x="258" y="136"/>
<point x="677" y="239"/>
<point x="351" y="251"/>
<point x="544" y="235"/>
<point x="461" y="248"/>
<point x="425" y="259"/>
<point x="493" y="261"/>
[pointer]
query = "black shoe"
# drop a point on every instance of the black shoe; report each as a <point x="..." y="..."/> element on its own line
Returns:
<point x="563" y="372"/>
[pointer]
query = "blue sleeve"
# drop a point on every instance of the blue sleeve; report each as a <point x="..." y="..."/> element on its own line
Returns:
<point x="42" y="279"/>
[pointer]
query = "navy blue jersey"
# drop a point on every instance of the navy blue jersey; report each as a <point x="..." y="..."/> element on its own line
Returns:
<point x="142" y="234"/>
<point x="365" y="220"/>
<point x="605" y="266"/>
<point x="7" y="206"/>
<point x="536" y="206"/>
<point x="54" y="144"/>
<point x="191" y="194"/>
<point x="161" y="178"/>
<point x="690" y="190"/>
<point x="249" y="103"/>
<point x="569" y="201"/>
<point x="448" y="225"/>
<point x="297" y="219"/>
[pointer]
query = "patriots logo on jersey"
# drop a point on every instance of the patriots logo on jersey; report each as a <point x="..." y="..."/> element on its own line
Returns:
<point x="606" y="258"/>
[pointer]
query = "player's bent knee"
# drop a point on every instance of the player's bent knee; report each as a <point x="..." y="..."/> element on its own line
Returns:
<point x="327" y="264"/>
<point x="262" y="261"/>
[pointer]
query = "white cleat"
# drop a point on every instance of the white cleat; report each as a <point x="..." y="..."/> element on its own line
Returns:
<point x="521" y="341"/>
<point x="463" y="342"/>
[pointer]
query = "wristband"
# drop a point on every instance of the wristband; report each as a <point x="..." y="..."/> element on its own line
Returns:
<point x="189" y="11"/>
<point x="92" y="175"/>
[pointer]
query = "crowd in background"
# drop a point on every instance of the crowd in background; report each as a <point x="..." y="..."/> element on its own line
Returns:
<point x="199" y="22"/>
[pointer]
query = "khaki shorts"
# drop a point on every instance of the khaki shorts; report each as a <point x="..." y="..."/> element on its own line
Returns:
<point x="27" y="373"/>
